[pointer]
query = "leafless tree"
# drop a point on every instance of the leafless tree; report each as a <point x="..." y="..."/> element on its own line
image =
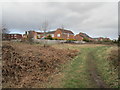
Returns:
<point x="44" y="27"/>
<point x="5" y="31"/>
<point x="62" y="26"/>
<point x="30" y="37"/>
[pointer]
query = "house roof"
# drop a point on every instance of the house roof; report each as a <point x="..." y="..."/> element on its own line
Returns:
<point x="65" y="31"/>
<point x="39" y="32"/>
<point x="15" y="34"/>
<point x="51" y="32"/>
<point x="84" y="35"/>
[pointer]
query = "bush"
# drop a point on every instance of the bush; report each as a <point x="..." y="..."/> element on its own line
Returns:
<point x="55" y="39"/>
<point x="86" y="39"/>
<point x="71" y="39"/>
<point x="61" y="39"/>
<point x="49" y="37"/>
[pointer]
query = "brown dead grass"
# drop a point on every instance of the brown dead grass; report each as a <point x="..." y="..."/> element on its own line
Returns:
<point x="26" y="65"/>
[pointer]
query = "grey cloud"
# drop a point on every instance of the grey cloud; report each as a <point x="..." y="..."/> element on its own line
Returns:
<point x="94" y="18"/>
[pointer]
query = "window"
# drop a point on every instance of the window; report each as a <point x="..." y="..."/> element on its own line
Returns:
<point x="58" y="35"/>
<point x="52" y="35"/>
<point x="38" y="36"/>
<point x="68" y="34"/>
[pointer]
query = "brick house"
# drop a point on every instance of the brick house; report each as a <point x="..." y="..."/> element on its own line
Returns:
<point x="103" y="39"/>
<point x="81" y="36"/>
<point x="63" y="34"/>
<point x="84" y="35"/>
<point x="12" y="37"/>
<point x="51" y="33"/>
<point x="33" y="34"/>
<point x="78" y="37"/>
<point x="39" y="35"/>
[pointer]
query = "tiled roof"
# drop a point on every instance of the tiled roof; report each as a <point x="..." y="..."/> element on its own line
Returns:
<point x="84" y="35"/>
<point x="39" y="32"/>
<point x="51" y="32"/>
<point x="65" y="31"/>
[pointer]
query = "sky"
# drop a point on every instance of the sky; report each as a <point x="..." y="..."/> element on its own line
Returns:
<point x="97" y="19"/>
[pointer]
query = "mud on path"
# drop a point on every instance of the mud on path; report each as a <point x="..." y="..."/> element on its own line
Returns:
<point x="94" y="76"/>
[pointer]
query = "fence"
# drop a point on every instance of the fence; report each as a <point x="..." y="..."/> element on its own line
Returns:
<point x="48" y="42"/>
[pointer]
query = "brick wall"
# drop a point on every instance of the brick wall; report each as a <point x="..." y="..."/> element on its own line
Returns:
<point x="78" y="37"/>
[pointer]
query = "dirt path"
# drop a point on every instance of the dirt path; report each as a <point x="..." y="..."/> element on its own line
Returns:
<point x="92" y="70"/>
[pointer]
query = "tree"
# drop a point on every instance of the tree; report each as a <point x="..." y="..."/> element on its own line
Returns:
<point x="44" y="27"/>
<point x="30" y="37"/>
<point x="62" y="27"/>
<point x="5" y="31"/>
<point x="49" y="37"/>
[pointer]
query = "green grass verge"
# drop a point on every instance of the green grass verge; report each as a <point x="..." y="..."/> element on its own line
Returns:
<point x="75" y="72"/>
<point x="75" y="75"/>
<point x="108" y="74"/>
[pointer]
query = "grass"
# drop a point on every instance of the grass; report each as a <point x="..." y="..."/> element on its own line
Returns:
<point x="75" y="75"/>
<point x="108" y="74"/>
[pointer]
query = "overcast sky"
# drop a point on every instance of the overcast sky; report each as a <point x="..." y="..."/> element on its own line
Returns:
<point x="94" y="18"/>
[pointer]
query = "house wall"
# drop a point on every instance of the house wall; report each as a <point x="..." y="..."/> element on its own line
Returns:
<point x="56" y="34"/>
<point x="12" y="36"/>
<point x="63" y="35"/>
<point x="32" y="34"/>
<point x="78" y="37"/>
<point x="71" y="36"/>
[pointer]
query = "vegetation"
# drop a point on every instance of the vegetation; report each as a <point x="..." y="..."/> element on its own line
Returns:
<point x="49" y="37"/>
<point x="5" y="31"/>
<point x="71" y="39"/>
<point x="76" y="74"/>
<point x="86" y="39"/>
<point x="108" y="73"/>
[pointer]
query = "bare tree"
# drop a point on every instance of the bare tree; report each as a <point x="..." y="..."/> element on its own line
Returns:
<point x="44" y="27"/>
<point x="5" y="31"/>
<point x="30" y="37"/>
<point x="62" y="26"/>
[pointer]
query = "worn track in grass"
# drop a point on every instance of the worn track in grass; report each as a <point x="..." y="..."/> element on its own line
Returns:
<point x="93" y="73"/>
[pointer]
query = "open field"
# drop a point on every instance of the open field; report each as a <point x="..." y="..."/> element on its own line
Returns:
<point x="59" y="65"/>
<point x="26" y="65"/>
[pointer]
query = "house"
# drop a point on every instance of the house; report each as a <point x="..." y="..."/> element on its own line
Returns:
<point x="101" y="39"/>
<point x="84" y="35"/>
<point x="81" y="36"/>
<point x="12" y="36"/>
<point x="51" y="33"/>
<point x="32" y="34"/>
<point x="78" y="37"/>
<point x="63" y="34"/>
<point x="39" y="35"/>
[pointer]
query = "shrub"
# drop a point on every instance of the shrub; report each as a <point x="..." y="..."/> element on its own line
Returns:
<point x="86" y="39"/>
<point x="55" y="39"/>
<point x="61" y="39"/>
<point x="49" y="37"/>
<point x="71" y="39"/>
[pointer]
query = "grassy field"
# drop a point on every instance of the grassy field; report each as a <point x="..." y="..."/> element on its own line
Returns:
<point x="57" y="66"/>
<point x="77" y="74"/>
